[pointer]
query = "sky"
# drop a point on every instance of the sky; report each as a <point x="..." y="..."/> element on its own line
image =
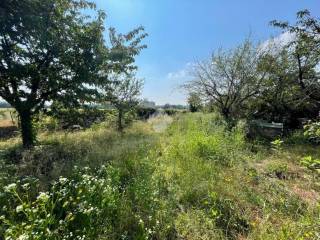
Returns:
<point x="184" y="31"/>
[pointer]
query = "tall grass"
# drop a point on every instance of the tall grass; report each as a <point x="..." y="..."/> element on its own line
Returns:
<point x="183" y="178"/>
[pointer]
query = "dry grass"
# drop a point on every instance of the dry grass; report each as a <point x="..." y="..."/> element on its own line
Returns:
<point x="160" y="123"/>
<point x="6" y="123"/>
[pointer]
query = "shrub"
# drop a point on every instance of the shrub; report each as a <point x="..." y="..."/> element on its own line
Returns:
<point x="279" y="170"/>
<point x="297" y="137"/>
<point x="311" y="163"/>
<point x="277" y="144"/>
<point x="312" y="132"/>
<point x="83" y="117"/>
<point x="171" y="112"/>
<point x="144" y="113"/>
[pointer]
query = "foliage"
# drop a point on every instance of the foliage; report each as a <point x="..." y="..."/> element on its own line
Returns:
<point x="195" y="102"/>
<point x="277" y="144"/>
<point x="281" y="99"/>
<point x="304" y="50"/>
<point x="144" y="113"/>
<point x="123" y="95"/>
<point x="79" y="208"/>
<point x="195" y="180"/>
<point x="204" y="137"/>
<point x="229" y="78"/>
<point x="85" y="117"/>
<point x="53" y="51"/>
<point x="310" y="162"/>
<point x="279" y="170"/>
<point x="47" y="53"/>
<point x="137" y="210"/>
<point x="171" y="112"/>
<point x="312" y="131"/>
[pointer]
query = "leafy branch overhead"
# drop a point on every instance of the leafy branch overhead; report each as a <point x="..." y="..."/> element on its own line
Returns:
<point x="305" y="51"/>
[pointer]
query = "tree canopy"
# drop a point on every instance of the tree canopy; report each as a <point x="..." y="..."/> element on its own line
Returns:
<point x="305" y="51"/>
<point x="51" y="51"/>
<point x="229" y="78"/>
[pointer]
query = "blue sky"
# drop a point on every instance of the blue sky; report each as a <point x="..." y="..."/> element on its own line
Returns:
<point x="182" y="31"/>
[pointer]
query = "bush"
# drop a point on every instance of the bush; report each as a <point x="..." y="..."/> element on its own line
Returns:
<point x="297" y="138"/>
<point x="311" y="163"/>
<point x="171" y="112"/>
<point x="312" y="132"/>
<point x="83" y="117"/>
<point x="279" y="170"/>
<point x="144" y="113"/>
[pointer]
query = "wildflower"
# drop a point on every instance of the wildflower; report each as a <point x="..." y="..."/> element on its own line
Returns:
<point x="44" y="197"/>
<point x="23" y="237"/>
<point x="63" y="180"/>
<point x="88" y="211"/>
<point x="10" y="187"/>
<point x="19" y="208"/>
<point x="26" y="186"/>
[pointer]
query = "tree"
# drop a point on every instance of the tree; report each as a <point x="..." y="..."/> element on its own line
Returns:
<point x="51" y="51"/>
<point x="305" y="52"/>
<point x="123" y="95"/>
<point x="281" y="99"/>
<point x="195" y="102"/>
<point x="48" y="50"/>
<point x="229" y="78"/>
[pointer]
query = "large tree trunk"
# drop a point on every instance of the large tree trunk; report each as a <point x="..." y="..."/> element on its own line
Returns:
<point x="226" y="113"/>
<point x="27" y="131"/>
<point x="120" y="118"/>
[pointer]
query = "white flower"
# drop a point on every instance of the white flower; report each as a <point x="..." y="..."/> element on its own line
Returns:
<point x="23" y="237"/>
<point x="19" y="208"/>
<point x="26" y="186"/>
<point x="44" y="197"/>
<point x="10" y="187"/>
<point x="63" y="180"/>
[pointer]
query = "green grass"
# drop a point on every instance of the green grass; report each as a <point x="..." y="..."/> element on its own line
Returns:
<point x="185" y="177"/>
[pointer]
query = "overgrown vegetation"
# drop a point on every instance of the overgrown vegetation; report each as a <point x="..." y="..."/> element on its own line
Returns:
<point x="195" y="180"/>
<point x="243" y="163"/>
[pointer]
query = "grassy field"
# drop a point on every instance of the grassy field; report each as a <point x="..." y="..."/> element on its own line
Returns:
<point x="183" y="177"/>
